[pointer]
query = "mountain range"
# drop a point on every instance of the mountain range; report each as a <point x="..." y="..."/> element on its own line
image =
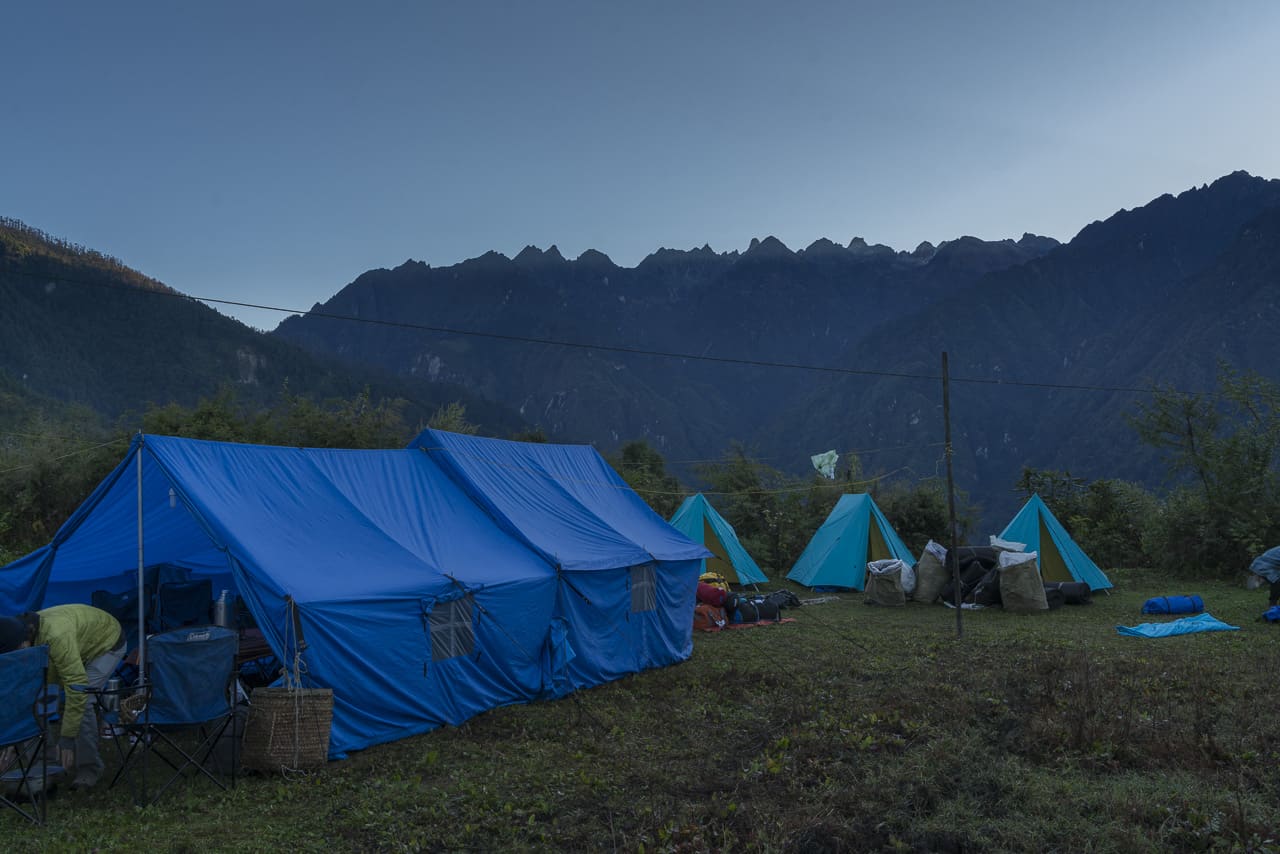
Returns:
<point x="791" y="353"/>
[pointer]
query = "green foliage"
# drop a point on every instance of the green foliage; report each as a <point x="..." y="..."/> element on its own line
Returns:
<point x="645" y="471"/>
<point x="919" y="513"/>
<point x="1223" y="455"/>
<point x="774" y="514"/>
<point x="48" y="467"/>
<point x="1110" y="519"/>
<point x="452" y="418"/>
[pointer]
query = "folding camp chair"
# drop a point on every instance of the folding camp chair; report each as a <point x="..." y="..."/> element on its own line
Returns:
<point x="183" y="707"/>
<point x="25" y="772"/>
<point x="183" y="603"/>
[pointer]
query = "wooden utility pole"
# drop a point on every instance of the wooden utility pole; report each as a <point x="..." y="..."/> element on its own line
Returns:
<point x="953" y="556"/>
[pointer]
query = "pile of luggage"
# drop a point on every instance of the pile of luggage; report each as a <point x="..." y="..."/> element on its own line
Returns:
<point x="1000" y="574"/>
<point x="717" y="606"/>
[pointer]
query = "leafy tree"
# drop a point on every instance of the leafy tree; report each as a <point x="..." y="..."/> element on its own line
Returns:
<point x="452" y="417"/>
<point x="354" y="423"/>
<point x="47" y="468"/>
<point x="1107" y="518"/>
<point x="919" y="513"/>
<point x="774" y="514"/>
<point x="1223" y="452"/>
<point x="534" y="436"/>
<point x="645" y="471"/>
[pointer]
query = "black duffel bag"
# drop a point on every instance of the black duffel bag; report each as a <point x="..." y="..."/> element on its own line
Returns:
<point x="1073" y="592"/>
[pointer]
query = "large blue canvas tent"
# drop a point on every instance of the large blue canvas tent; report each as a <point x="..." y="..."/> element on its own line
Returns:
<point x="627" y="579"/>
<point x="1061" y="559"/>
<point x="414" y="603"/>
<point x="699" y="521"/>
<point x="854" y="534"/>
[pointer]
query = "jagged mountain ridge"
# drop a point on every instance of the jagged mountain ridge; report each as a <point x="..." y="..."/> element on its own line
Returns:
<point x="1135" y="300"/>
<point x="767" y="304"/>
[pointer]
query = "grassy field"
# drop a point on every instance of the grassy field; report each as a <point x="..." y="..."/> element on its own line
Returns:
<point x="853" y="728"/>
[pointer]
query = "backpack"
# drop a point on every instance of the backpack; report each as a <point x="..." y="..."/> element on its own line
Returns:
<point x="708" y="618"/>
<point x="711" y="594"/>
<point x="715" y="579"/>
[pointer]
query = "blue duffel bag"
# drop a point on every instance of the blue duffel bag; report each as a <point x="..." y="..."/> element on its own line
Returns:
<point x="1173" y="605"/>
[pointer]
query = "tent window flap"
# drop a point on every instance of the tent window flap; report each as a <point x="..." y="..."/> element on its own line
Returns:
<point x="452" y="629"/>
<point x="644" y="596"/>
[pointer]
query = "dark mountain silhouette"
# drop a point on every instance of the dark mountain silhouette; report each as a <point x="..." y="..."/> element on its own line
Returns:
<point x="1154" y="295"/>
<point x="767" y="304"/>
<point x="80" y="328"/>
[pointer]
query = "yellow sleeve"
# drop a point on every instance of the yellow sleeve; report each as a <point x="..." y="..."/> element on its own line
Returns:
<point x="64" y="658"/>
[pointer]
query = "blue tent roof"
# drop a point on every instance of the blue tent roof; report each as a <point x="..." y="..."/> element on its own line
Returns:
<point x="1058" y="552"/>
<point x="854" y="534"/>
<point x="693" y="517"/>
<point x="564" y="499"/>
<point x="363" y="546"/>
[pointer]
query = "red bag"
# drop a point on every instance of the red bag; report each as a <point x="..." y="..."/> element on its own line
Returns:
<point x="708" y="618"/>
<point x="711" y="594"/>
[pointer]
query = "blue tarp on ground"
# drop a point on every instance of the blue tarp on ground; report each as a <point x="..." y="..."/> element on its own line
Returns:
<point x="368" y="548"/>
<point x="1184" y="626"/>
<point x="699" y="521"/>
<point x="854" y="534"/>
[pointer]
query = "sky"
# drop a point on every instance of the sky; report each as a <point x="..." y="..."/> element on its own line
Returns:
<point x="269" y="152"/>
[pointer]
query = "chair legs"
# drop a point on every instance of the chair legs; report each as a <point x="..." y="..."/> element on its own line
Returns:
<point x="163" y="743"/>
<point x="24" y="771"/>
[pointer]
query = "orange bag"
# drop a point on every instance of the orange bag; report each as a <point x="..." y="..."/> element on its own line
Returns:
<point x="708" y="618"/>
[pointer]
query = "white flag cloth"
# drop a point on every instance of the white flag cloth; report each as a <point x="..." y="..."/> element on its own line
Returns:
<point x="825" y="463"/>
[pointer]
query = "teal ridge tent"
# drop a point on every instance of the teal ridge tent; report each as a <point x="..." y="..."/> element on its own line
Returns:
<point x="854" y="534"/>
<point x="1060" y="558"/>
<point x="700" y="522"/>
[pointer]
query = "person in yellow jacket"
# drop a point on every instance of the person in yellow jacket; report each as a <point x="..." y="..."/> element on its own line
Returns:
<point x="85" y="647"/>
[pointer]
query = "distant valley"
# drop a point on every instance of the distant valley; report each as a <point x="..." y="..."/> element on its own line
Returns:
<point x="829" y="346"/>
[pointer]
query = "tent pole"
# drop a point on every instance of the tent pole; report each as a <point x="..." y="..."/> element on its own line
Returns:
<point x="953" y="554"/>
<point x="142" y="614"/>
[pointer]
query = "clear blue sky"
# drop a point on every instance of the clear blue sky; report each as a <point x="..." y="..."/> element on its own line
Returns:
<point x="270" y="152"/>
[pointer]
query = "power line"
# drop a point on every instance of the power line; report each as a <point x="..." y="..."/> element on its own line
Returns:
<point x="613" y="348"/>
<point x="62" y="456"/>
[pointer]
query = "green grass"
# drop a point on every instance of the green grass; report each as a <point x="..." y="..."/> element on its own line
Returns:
<point x="855" y="728"/>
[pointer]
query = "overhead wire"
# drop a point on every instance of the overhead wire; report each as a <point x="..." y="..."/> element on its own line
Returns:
<point x="609" y="348"/>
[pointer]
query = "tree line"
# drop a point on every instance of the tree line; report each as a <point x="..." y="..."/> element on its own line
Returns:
<point x="1219" y="506"/>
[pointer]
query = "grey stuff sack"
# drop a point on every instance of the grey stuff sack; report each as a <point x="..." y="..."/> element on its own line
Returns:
<point x="884" y="583"/>
<point x="1021" y="590"/>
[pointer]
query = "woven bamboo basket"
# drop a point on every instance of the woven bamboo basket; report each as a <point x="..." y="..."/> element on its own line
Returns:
<point x="287" y="729"/>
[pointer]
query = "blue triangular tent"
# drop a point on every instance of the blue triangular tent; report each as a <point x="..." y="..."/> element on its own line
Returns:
<point x="363" y="549"/>
<point x="700" y="522"/>
<point x="854" y="534"/>
<point x="1060" y="558"/>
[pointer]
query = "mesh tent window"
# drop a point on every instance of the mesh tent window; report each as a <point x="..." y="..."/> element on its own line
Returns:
<point x="644" y="594"/>
<point x="452" y="628"/>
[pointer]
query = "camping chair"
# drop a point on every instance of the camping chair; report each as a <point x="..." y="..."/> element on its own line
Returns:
<point x="189" y="688"/>
<point x="183" y="603"/>
<point x="25" y="772"/>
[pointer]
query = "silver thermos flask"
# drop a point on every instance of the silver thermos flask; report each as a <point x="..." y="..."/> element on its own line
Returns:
<point x="222" y="613"/>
